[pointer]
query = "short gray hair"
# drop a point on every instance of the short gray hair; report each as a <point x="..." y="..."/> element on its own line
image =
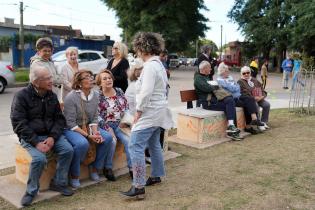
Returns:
<point x="222" y="68"/>
<point x="34" y="72"/>
<point x="245" y="69"/>
<point x="203" y="65"/>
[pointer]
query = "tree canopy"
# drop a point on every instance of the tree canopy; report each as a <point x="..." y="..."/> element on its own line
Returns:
<point x="283" y="24"/>
<point x="180" y="22"/>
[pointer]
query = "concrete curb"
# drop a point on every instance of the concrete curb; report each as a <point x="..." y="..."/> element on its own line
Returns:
<point x="20" y="84"/>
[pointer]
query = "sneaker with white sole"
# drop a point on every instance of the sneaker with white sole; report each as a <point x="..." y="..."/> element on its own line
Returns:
<point x="232" y="129"/>
<point x="235" y="136"/>
<point x="265" y="125"/>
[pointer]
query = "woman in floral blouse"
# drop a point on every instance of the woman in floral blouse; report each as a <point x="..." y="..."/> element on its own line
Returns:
<point x="112" y="106"/>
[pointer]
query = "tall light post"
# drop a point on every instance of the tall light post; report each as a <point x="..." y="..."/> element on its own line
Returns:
<point x="197" y="48"/>
<point x="221" y="43"/>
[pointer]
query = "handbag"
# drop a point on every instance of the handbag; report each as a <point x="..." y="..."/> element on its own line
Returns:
<point x="221" y="94"/>
<point x="91" y="153"/>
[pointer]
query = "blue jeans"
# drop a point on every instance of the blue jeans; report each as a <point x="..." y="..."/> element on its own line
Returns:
<point x="64" y="151"/>
<point x="123" y="138"/>
<point x="81" y="145"/>
<point x="285" y="79"/>
<point x="138" y="142"/>
<point x="108" y="160"/>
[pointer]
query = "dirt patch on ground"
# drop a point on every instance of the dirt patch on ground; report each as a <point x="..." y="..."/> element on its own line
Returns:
<point x="273" y="170"/>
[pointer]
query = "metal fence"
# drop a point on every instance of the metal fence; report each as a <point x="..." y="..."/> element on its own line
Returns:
<point x="302" y="97"/>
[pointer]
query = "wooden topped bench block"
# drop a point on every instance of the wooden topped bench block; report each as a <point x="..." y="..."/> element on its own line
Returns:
<point x="199" y="125"/>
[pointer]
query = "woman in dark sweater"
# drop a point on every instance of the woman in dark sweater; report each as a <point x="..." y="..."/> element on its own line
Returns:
<point x="119" y="65"/>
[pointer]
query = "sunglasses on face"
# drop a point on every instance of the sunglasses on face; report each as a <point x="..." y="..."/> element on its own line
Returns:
<point x="244" y="73"/>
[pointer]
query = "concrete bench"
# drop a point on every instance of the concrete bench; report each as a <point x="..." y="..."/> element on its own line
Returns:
<point x="23" y="161"/>
<point x="198" y="125"/>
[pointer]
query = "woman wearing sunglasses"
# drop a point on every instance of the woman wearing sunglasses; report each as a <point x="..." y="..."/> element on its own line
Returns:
<point x="252" y="87"/>
<point x="119" y="65"/>
<point x="248" y="103"/>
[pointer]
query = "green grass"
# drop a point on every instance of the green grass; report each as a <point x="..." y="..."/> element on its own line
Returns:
<point x="22" y="75"/>
<point x="272" y="170"/>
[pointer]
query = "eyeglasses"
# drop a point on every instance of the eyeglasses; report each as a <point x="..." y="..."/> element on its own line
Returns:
<point x="245" y="73"/>
<point x="87" y="77"/>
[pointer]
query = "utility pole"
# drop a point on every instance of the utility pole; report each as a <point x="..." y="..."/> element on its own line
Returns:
<point x="21" y="31"/>
<point x="221" y="43"/>
<point x="196" y="48"/>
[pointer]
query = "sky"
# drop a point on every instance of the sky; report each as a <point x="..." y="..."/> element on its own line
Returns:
<point x="94" y="18"/>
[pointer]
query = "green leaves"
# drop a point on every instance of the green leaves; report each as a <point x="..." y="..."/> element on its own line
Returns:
<point x="283" y="24"/>
<point x="180" y="22"/>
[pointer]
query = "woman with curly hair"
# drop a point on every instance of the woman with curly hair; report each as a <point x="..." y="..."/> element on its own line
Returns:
<point x="151" y="114"/>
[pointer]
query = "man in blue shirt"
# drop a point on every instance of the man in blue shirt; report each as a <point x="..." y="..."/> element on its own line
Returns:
<point x="287" y="66"/>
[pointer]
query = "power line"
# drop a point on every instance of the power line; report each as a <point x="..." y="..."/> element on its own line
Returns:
<point x="71" y="8"/>
<point x="71" y="18"/>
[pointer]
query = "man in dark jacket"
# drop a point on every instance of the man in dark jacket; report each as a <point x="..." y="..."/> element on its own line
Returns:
<point x="38" y="121"/>
<point x="206" y="56"/>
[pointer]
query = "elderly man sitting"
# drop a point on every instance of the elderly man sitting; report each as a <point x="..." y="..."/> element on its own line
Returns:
<point x="206" y="92"/>
<point x="38" y="121"/>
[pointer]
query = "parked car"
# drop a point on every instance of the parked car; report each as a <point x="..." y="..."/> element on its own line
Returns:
<point x="183" y="61"/>
<point x="7" y="75"/>
<point x="92" y="60"/>
<point x="173" y="61"/>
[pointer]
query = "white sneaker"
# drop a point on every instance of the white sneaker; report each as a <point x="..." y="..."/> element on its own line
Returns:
<point x="266" y="126"/>
<point x="262" y="128"/>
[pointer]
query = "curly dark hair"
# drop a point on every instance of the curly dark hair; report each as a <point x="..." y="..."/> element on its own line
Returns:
<point x="148" y="43"/>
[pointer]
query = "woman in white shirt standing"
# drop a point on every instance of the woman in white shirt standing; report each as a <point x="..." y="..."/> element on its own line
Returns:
<point x="151" y="115"/>
<point x="69" y="69"/>
<point x="133" y="75"/>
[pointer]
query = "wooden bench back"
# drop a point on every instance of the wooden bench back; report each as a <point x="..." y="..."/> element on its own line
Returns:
<point x="188" y="96"/>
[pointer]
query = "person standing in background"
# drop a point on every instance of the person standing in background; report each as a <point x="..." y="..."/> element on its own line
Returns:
<point x="42" y="58"/>
<point x="264" y="73"/>
<point x="254" y="67"/>
<point x="119" y="65"/>
<point x="206" y="56"/>
<point x="287" y="66"/>
<point x="297" y="65"/>
<point x="68" y="70"/>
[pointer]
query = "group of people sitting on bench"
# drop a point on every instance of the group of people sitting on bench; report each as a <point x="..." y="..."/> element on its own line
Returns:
<point x="83" y="126"/>
<point x="225" y="94"/>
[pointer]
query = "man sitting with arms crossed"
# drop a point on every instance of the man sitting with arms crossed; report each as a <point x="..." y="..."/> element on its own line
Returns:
<point x="38" y="121"/>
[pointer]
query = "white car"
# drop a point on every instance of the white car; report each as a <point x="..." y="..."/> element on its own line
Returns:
<point x="7" y="75"/>
<point x="92" y="60"/>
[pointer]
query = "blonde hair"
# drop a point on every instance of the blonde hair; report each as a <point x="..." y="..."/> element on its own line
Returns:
<point x="136" y="64"/>
<point x="98" y="80"/>
<point x="71" y="49"/>
<point x="122" y="49"/>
